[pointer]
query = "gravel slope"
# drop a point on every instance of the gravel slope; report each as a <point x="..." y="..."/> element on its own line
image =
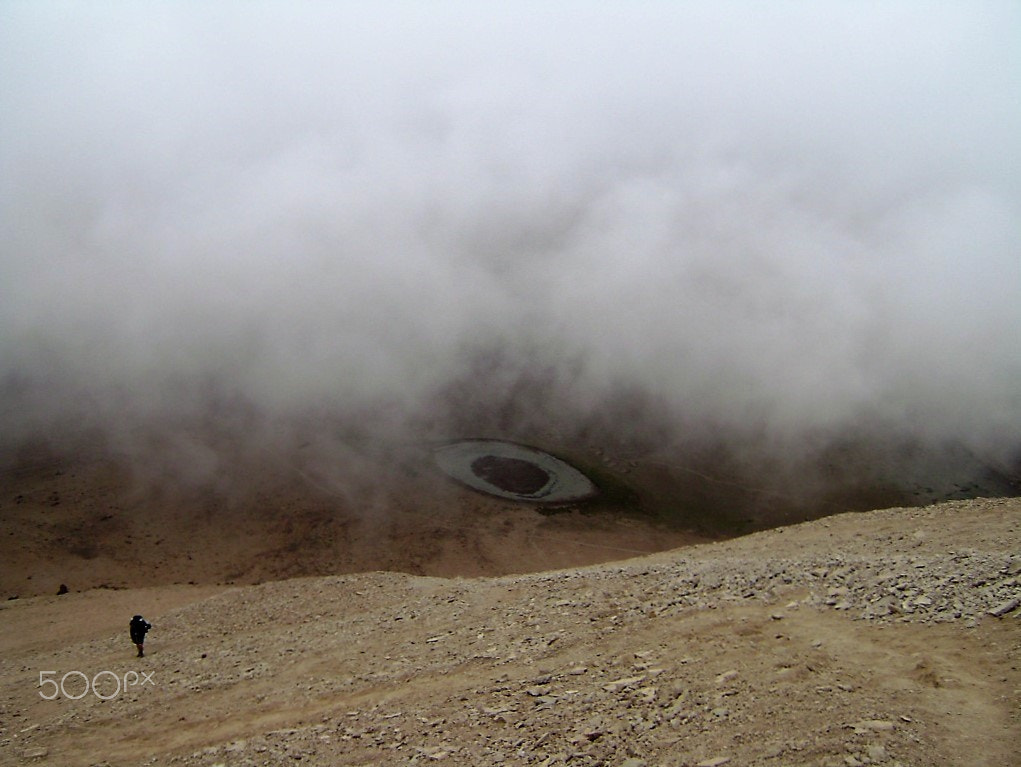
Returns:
<point x="889" y="637"/>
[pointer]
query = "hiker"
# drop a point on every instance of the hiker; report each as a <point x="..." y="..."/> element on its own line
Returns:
<point x="138" y="627"/>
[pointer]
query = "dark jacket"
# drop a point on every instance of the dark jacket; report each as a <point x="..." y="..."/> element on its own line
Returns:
<point x="138" y="628"/>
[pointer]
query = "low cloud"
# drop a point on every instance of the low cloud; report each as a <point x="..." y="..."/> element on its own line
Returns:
<point x="782" y="224"/>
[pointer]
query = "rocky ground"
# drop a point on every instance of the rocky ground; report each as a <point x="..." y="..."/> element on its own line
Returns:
<point x="888" y="637"/>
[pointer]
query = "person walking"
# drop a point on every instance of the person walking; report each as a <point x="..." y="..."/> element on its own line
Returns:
<point x="138" y="627"/>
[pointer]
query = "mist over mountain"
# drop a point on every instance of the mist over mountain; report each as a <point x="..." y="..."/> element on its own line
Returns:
<point x="774" y="227"/>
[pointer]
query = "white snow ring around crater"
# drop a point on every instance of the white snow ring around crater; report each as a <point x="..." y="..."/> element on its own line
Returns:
<point x="512" y="471"/>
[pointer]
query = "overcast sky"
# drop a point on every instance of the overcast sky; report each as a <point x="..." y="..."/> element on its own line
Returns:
<point x="802" y="215"/>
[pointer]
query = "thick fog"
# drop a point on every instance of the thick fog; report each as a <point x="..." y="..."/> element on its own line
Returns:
<point x="779" y="220"/>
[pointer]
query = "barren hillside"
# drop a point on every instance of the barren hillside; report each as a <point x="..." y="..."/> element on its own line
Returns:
<point x="887" y="637"/>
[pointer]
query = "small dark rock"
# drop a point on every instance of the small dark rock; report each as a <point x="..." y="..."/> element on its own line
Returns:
<point x="1005" y="607"/>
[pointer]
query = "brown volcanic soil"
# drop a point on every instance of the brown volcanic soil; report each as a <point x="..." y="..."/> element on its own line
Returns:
<point x="392" y="616"/>
<point x="856" y="639"/>
<point x="87" y="519"/>
<point x="95" y="524"/>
